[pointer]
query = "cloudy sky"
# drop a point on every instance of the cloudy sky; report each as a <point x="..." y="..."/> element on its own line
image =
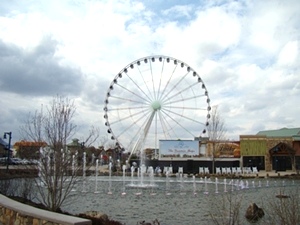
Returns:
<point x="246" y="52"/>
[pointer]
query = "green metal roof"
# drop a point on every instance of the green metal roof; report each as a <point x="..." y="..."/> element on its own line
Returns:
<point x="283" y="132"/>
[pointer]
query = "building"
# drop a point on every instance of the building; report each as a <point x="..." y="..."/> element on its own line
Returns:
<point x="268" y="150"/>
<point x="75" y="147"/>
<point x="191" y="155"/>
<point x="28" y="149"/>
<point x="3" y="148"/>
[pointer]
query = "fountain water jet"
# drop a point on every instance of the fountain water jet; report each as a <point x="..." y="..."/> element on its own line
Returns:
<point x="84" y="173"/>
<point x="205" y="186"/>
<point x="194" y="185"/>
<point x="96" y="176"/>
<point x="181" y="185"/>
<point x="124" y="173"/>
<point x="167" y="184"/>
<point x="216" y="183"/>
<point x="109" y="188"/>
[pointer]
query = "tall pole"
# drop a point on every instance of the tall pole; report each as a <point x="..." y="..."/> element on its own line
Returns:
<point x="8" y="148"/>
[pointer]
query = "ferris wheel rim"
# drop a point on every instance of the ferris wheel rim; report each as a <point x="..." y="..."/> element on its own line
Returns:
<point x="156" y="105"/>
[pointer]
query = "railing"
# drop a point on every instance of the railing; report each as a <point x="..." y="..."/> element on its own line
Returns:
<point x="13" y="212"/>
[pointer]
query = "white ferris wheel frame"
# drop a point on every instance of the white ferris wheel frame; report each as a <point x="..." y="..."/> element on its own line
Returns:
<point x="152" y="98"/>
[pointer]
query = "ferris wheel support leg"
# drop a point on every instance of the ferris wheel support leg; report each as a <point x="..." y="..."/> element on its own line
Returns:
<point x="140" y="142"/>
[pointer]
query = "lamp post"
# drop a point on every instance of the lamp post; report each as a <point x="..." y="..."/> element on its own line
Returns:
<point x="8" y="149"/>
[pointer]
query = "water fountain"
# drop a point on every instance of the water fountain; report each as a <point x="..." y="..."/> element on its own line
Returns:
<point x="147" y="194"/>
<point x="146" y="190"/>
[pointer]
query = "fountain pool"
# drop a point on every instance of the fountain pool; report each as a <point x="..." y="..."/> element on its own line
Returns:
<point x="172" y="200"/>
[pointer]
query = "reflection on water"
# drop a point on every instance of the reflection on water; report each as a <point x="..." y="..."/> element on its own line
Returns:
<point x="173" y="201"/>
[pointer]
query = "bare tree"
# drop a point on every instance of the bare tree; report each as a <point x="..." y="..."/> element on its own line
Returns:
<point x="58" y="170"/>
<point x="32" y="128"/>
<point x="93" y="136"/>
<point x="226" y="209"/>
<point x="54" y="126"/>
<point x="284" y="209"/>
<point x="57" y="122"/>
<point x="58" y="173"/>
<point x="216" y="132"/>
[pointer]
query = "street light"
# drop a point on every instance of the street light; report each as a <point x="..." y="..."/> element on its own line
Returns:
<point x="8" y="149"/>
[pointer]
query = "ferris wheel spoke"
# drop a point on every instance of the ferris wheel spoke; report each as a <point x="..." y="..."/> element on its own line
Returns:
<point x="168" y="126"/>
<point x="134" y="94"/>
<point x="132" y="146"/>
<point x="132" y="124"/>
<point x="185" y="99"/>
<point x="188" y="88"/>
<point x="128" y="117"/>
<point x="138" y="86"/>
<point x="182" y="116"/>
<point x="136" y="134"/>
<point x="188" y="108"/>
<point x="174" y="86"/>
<point x="179" y="124"/>
<point x="146" y="85"/>
<point x="127" y="108"/>
<point x="164" y="126"/>
<point x="152" y="78"/>
<point x="168" y="82"/>
<point x="160" y="79"/>
<point x="126" y="99"/>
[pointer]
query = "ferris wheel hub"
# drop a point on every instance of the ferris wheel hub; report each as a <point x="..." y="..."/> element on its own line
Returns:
<point x="156" y="105"/>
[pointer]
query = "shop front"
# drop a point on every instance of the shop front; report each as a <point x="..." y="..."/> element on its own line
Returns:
<point x="282" y="157"/>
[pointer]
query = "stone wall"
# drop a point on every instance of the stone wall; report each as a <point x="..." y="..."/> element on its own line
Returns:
<point x="13" y="212"/>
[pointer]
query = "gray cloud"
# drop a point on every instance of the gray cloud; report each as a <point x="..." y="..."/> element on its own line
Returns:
<point x="37" y="72"/>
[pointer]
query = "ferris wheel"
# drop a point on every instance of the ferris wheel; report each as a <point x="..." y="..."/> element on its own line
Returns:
<point x="155" y="98"/>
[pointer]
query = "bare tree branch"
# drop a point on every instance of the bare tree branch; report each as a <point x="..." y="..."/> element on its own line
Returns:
<point x="32" y="128"/>
<point x="216" y="132"/>
<point x="92" y="137"/>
